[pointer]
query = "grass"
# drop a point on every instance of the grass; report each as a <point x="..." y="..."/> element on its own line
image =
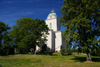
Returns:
<point x="55" y="60"/>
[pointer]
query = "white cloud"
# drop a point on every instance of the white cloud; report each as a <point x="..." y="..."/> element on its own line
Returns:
<point x="8" y="2"/>
<point x="19" y="1"/>
<point x="26" y="13"/>
<point x="33" y="0"/>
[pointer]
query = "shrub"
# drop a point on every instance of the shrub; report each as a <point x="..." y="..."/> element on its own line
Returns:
<point x="69" y="51"/>
<point x="95" y="53"/>
<point x="65" y="51"/>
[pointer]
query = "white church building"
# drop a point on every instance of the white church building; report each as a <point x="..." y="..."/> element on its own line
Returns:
<point x="54" y="39"/>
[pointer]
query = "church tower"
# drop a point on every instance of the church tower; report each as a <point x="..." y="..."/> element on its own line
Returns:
<point x="54" y="39"/>
<point x="52" y="21"/>
<point x="55" y="34"/>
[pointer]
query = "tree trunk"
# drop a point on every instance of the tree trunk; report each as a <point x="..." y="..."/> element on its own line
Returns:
<point x="88" y="57"/>
<point x="32" y="50"/>
<point x="35" y="52"/>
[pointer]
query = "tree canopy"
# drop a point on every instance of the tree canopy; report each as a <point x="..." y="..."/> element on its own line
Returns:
<point x="27" y="32"/>
<point x="4" y="38"/>
<point x="82" y="19"/>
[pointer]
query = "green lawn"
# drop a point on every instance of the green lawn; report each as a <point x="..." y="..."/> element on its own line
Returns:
<point x="55" y="60"/>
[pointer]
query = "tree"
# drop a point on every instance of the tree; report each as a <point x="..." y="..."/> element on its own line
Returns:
<point x="27" y="32"/>
<point x="4" y="38"/>
<point x="82" y="19"/>
<point x="95" y="50"/>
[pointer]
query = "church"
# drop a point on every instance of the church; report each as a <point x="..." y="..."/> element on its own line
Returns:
<point x="54" y="39"/>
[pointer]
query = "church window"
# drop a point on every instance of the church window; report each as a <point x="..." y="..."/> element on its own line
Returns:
<point x="50" y="26"/>
<point x="51" y="17"/>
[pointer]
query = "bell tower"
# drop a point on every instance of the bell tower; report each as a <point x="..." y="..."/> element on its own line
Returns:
<point x="54" y="39"/>
<point x="52" y="21"/>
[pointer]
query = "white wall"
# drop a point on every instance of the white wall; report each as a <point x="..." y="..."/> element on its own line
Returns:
<point x="49" y="41"/>
<point x="53" y="23"/>
<point x="58" y="40"/>
<point x="53" y="41"/>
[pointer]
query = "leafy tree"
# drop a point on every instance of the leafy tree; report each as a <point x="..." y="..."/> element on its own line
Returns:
<point x="82" y="19"/>
<point x="4" y="38"/>
<point x="27" y="32"/>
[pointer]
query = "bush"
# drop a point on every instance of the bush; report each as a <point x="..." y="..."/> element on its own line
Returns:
<point x="69" y="51"/>
<point x="65" y="51"/>
<point x="95" y="53"/>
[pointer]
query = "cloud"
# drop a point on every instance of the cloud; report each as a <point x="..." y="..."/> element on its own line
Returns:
<point x="10" y="17"/>
<point x="26" y="13"/>
<point x="32" y="0"/>
<point x="38" y="9"/>
<point x="8" y="2"/>
<point x="14" y="15"/>
<point x="19" y="1"/>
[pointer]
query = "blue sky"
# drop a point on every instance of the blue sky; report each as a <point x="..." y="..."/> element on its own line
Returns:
<point x="11" y="10"/>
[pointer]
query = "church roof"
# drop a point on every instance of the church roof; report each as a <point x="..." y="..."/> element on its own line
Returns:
<point x="52" y="13"/>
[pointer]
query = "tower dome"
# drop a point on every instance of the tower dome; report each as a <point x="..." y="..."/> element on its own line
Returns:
<point x="52" y="13"/>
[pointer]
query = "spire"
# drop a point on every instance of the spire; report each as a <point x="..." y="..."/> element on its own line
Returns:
<point x="52" y="11"/>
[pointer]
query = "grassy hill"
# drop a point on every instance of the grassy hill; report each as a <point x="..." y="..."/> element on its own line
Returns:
<point x="55" y="60"/>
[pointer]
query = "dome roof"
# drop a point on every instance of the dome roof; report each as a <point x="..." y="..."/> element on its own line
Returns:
<point x="52" y="13"/>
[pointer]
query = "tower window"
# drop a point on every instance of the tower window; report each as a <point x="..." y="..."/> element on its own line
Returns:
<point x="50" y="17"/>
<point x="50" y="26"/>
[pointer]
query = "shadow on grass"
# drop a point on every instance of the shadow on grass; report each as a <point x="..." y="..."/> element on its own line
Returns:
<point x="83" y="59"/>
<point x="79" y="59"/>
<point x="0" y="66"/>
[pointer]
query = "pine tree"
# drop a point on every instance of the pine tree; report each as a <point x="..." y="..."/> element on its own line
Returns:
<point x="82" y="19"/>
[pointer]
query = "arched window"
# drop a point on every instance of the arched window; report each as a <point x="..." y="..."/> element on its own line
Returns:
<point x="50" y="17"/>
<point x="50" y="26"/>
